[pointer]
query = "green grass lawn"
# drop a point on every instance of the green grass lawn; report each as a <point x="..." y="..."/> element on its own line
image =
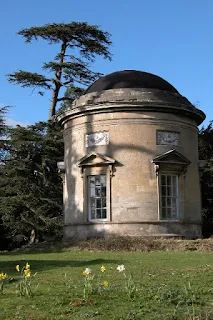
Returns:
<point x="170" y="285"/>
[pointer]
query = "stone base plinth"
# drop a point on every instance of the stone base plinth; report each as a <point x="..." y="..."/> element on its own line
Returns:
<point x="157" y="229"/>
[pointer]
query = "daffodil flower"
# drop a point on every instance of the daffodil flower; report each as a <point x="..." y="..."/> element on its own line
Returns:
<point x="3" y="276"/>
<point x="121" y="268"/>
<point x="27" y="266"/>
<point x="27" y="273"/>
<point x="103" y="269"/>
<point x="87" y="271"/>
<point x="17" y="268"/>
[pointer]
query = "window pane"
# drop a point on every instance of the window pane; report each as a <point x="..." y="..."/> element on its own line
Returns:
<point x="169" y="191"/>
<point x="174" y="180"/>
<point x="168" y="213"/>
<point x="103" y="202"/>
<point x="92" y="202"/>
<point x="92" y="180"/>
<point x="174" y="192"/>
<point x="174" y="213"/>
<point x="98" y="214"/>
<point x="98" y="203"/>
<point x="163" y="190"/>
<point x="163" y="200"/>
<point x="103" y="180"/>
<point x="92" y="213"/>
<point x="173" y="202"/>
<point x="163" y="180"/>
<point x="169" y="180"/>
<point x="92" y="192"/>
<point x="169" y="202"/>
<point x="103" y="213"/>
<point x="97" y="181"/>
<point x="163" y="213"/>
<point x="103" y="191"/>
<point x="98" y="192"/>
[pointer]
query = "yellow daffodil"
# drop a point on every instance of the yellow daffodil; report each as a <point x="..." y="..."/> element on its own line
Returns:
<point x="27" y="273"/>
<point x="27" y="267"/>
<point x="17" y="268"/>
<point x="86" y="272"/>
<point x="103" y="269"/>
<point x="105" y="283"/>
<point x="3" y="276"/>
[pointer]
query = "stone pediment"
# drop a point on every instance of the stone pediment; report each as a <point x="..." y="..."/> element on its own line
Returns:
<point x="93" y="158"/>
<point x="171" y="157"/>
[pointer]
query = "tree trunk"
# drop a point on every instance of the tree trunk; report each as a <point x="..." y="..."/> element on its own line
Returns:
<point x="57" y="82"/>
<point x="32" y="236"/>
<point x="53" y="104"/>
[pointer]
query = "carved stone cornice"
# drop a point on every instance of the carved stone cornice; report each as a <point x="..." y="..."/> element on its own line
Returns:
<point x="132" y="100"/>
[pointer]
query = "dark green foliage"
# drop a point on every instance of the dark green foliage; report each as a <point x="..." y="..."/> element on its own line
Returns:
<point x="206" y="154"/>
<point x="3" y="126"/>
<point x="79" y="45"/>
<point x="70" y="95"/>
<point x="3" y="132"/>
<point x="88" y="38"/>
<point x="31" y="188"/>
<point x="29" y="79"/>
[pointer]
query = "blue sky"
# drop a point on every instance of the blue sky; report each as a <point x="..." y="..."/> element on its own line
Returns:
<point x="170" y="38"/>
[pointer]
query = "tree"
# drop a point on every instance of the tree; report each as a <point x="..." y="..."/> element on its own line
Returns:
<point x="31" y="188"/>
<point x="71" y="94"/>
<point x="2" y="120"/>
<point x="206" y="154"/>
<point x="3" y="126"/>
<point x="79" y="44"/>
<point x="3" y="131"/>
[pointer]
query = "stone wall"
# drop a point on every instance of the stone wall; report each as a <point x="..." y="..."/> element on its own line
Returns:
<point x="134" y="197"/>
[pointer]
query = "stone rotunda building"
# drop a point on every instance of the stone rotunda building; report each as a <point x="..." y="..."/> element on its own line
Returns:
<point x="131" y="160"/>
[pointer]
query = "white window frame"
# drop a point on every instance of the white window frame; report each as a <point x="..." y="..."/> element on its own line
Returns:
<point x="96" y="164"/>
<point x="96" y="171"/>
<point x="171" y="174"/>
<point x="96" y="198"/>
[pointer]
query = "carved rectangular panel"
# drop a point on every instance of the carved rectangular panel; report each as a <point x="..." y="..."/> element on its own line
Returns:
<point x="168" y="138"/>
<point x="97" y="139"/>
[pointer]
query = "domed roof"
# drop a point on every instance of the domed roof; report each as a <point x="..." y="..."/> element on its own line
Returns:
<point x="130" y="79"/>
<point x="142" y="92"/>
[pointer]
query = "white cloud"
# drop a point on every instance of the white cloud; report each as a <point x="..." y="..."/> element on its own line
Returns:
<point x="13" y="123"/>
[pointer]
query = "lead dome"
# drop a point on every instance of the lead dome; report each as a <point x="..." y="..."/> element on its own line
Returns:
<point x="130" y="79"/>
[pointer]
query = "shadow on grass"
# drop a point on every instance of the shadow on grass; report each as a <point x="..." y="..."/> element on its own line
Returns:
<point x="43" y="265"/>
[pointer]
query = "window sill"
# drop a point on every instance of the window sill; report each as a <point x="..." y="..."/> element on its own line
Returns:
<point x="134" y="222"/>
<point x="169" y="220"/>
<point x="98" y="221"/>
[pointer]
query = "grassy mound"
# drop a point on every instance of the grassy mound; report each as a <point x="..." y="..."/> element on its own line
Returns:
<point x="128" y="244"/>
